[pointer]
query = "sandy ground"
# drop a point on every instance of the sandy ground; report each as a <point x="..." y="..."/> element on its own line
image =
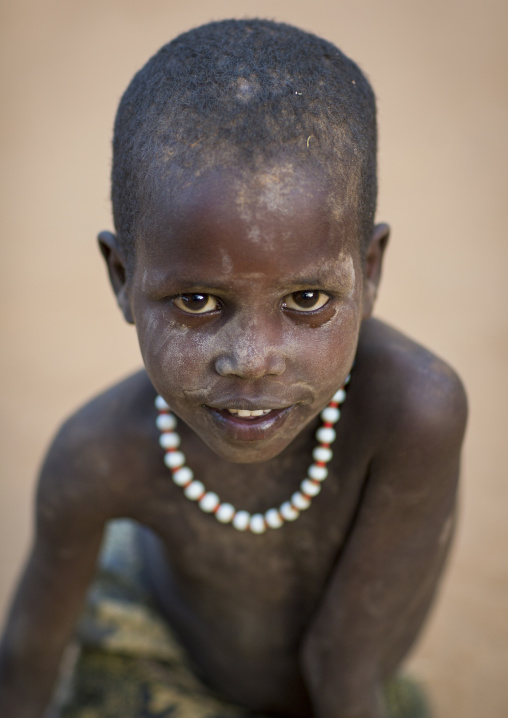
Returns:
<point x="440" y="72"/>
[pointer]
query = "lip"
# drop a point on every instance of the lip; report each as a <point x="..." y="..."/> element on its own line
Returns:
<point x="249" y="429"/>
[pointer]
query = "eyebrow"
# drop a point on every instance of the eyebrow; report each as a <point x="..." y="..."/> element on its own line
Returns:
<point x="202" y="284"/>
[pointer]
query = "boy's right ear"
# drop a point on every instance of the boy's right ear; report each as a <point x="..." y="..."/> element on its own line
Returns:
<point x="117" y="271"/>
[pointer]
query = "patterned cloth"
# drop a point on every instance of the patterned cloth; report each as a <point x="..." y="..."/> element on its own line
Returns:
<point x="129" y="664"/>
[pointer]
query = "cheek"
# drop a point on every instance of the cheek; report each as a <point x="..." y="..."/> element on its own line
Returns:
<point x="175" y="356"/>
<point x="333" y="345"/>
<point x="323" y="356"/>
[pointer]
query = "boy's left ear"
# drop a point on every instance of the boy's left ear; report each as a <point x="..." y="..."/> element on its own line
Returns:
<point x="117" y="271"/>
<point x="372" y="267"/>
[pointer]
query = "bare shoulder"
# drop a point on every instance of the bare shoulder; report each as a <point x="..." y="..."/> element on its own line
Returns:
<point x="118" y="413"/>
<point x="417" y="401"/>
<point x="91" y="469"/>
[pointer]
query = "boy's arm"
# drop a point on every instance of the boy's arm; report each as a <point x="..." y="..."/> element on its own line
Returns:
<point x="70" y="516"/>
<point x="387" y="575"/>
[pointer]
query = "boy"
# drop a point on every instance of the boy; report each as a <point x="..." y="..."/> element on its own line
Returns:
<point x="244" y="190"/>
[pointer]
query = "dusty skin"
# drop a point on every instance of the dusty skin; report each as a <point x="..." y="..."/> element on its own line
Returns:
<point x="307" y="620"/>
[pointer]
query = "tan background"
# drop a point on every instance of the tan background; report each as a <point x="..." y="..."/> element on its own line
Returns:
<point x="440" y="72"/>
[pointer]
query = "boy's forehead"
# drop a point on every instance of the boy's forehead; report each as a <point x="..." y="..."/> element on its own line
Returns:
<point x="271" y="228"/>
<point x="267" y="199"/>
<point x="258" y="195"/>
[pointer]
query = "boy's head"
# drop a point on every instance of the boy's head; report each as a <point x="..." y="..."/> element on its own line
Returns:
<point x="244" y="94"/>
<point x="244" y="190"/>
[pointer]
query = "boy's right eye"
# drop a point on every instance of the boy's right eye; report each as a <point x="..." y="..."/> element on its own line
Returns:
<point x="196" y="303"/>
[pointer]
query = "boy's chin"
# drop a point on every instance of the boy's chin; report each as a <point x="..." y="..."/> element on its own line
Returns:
<point x="248" y="453"/>
<point x="250" y="440"/>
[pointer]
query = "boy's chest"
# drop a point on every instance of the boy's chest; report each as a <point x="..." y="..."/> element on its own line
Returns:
<point x="237" y="594"/>
<point x="282" y="569"/>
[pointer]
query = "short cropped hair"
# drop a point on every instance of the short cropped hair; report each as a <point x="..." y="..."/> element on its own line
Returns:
<point x="243" y="93"/>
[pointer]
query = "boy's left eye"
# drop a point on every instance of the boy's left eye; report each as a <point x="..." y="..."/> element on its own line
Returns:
<point x="196" y="303"/>
<point x="307" y="300"/>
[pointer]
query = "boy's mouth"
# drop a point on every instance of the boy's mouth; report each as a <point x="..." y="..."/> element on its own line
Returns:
<point x="249" y="424"/>
<point x="247" y="414"/>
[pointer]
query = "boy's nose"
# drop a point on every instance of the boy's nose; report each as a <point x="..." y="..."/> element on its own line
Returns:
<point x="251" y="355"/>
<point x="251" y="366"/>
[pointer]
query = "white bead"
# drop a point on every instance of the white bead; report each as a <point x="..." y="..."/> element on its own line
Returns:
<point x="326" y="435"/>
<point x="166" y="422"/>
<point x="174" y="459"/>
<point x="241" y="520"/>
<point x="225" y="513"/>
<point x="288" y="512"/>
<point x="339" y="396"/>
<point x="194" y="490"/>
<point x="347" y="379"/>
<point x="331" y="414"/>
<point x="319" y="473"/>
<point x="322" y="453"/>
<point x="161" y="404"/>
<point x="183" y="476"/>
<point x="209" y="502"/>
<point x="169" y="440"/>
<point x="300" y="501"/>
<point x="257" y="524"/>
<point x="310" y="488"/>
<point x="273" y="519"/>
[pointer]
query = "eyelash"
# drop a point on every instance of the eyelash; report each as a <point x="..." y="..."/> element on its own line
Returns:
<point x="181" y="299"/>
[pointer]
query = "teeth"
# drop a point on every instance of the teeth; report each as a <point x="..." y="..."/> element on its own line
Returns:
<point x="245" y="413"/>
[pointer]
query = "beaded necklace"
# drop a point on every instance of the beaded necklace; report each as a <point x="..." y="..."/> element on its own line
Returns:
<point x="225" y="513"/>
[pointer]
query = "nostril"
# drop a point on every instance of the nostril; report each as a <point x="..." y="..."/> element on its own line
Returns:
<point x="224" y="365"/>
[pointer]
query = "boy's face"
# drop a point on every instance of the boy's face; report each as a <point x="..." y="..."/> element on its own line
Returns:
<point x="247" y="294"/>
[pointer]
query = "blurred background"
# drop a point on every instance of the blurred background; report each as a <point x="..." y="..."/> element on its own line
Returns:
<point x="440" y="72"/>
